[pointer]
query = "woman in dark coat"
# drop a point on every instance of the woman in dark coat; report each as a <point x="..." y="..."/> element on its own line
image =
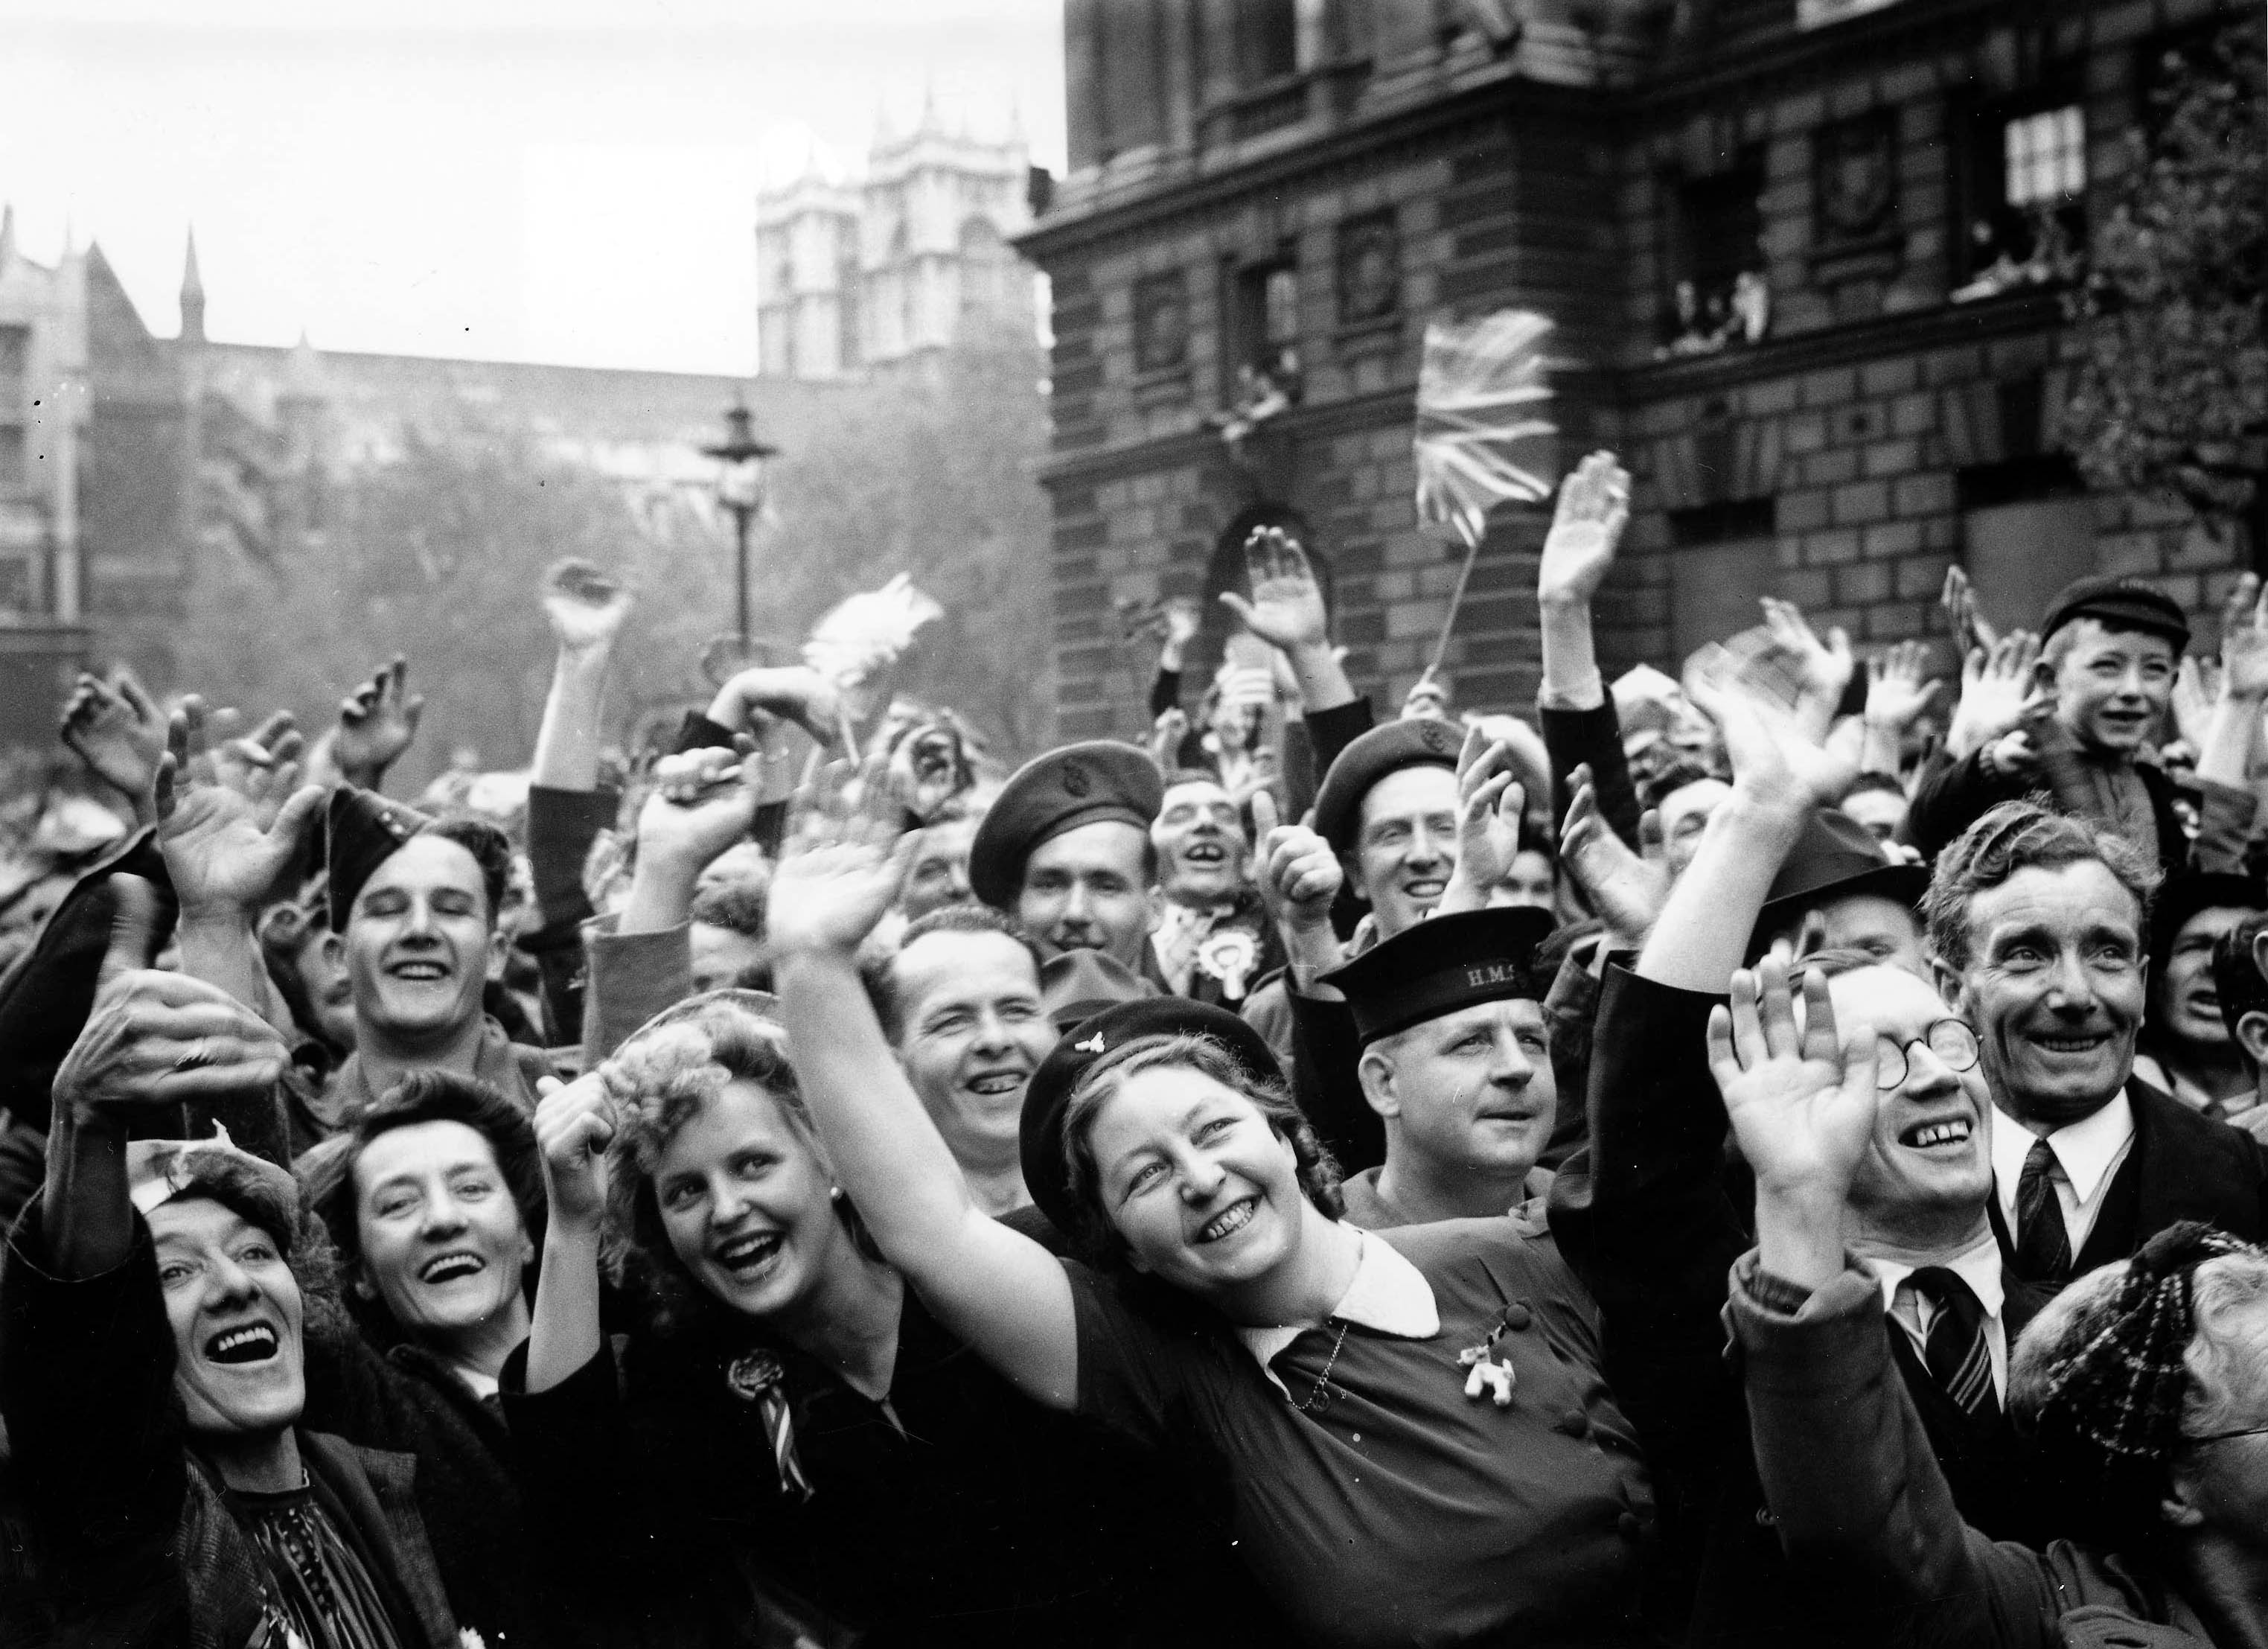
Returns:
<point x="434" y="1199"/>
<point x="792" y="1443"/>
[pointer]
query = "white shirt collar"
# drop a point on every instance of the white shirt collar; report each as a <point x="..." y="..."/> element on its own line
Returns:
<point x="1387" y="1294"/>
<point x="2085" y="1149"/>
<point x="1978" y="1265"/>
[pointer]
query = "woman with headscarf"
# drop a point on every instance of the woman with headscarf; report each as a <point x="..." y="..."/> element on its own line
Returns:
<point x="155" y="1310"/>
<point x="2143" y="1387"/>
<point x="792" y="1443"/>
<point x="1410" y="1426"/>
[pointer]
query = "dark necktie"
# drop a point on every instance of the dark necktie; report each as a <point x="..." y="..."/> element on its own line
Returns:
<point x="2043" y="1245"/>
<point x="1959" y="1357"/>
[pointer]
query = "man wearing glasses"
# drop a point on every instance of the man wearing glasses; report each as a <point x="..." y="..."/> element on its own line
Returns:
<point x="1653" y="1217"/>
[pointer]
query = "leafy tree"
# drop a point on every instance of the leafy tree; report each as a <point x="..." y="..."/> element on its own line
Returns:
<point x="2171" y="391"/>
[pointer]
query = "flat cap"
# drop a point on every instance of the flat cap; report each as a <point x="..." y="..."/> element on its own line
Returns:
<point x="1047" y="1095"/>
<point x="1077" y="785"/>
<point x="2123" y="603"/>
<point x="1443" y="964"/>
<point x="1420" y="742"/>
<point x="363" y="831"/>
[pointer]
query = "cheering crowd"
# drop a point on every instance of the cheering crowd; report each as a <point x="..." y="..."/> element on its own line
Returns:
<point x="1766" y="1157"/>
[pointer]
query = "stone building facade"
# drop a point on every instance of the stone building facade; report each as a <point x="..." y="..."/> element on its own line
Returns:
<point x="1807" y="260"/>
<point x="899" y="265"/>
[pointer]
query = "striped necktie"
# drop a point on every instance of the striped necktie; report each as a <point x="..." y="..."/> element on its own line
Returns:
<point x="2043" y="1244"/>
<point x="1959" y="1357"/>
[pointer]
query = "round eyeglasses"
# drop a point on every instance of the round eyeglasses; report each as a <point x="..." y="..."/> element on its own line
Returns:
<point x="1952" y="1041"/>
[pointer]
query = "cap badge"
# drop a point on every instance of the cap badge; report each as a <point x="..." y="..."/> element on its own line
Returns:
<point x="1075" y="780"/>
<point x="1091" y="1045"/>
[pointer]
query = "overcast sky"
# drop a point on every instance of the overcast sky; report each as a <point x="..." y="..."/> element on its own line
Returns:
<point x="568" y="180"/>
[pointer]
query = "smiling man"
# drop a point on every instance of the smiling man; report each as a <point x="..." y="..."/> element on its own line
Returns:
<point x="960" y="1000"/>
<point x="2189" y="1050"/>
<point x="1456" y="1061"/>
<point x="420" y="898"/>
<point x="1213" y="937"/>
<point x="1065" y="849"/>
<point x="2036" y="923"/>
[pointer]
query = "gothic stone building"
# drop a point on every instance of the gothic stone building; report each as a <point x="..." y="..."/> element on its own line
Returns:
<point x="1805" y="260"/>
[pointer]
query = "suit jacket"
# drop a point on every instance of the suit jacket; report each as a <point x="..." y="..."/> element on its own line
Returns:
<point x="2183" y="1166"/>
<point x="1648" y="1216"/>
<point x="1885" y="1557"/>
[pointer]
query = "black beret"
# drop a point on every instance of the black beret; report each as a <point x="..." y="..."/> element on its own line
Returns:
<point x="365" y="830"/>
<point x="1837" y="857"/>
<point x="1047" y="1096"/>
<point x="45" y="997"/>
<point x="1077" y="785"/>
<point x="1420" y="742"/>
<point x="1443" y="964"/>
<point x="2122" y="603"/>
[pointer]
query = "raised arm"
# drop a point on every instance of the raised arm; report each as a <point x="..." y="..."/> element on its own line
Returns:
<point x="114" y="728"/>
<point x="229" y="841"/>
<point x="378" y="721"/>
<point x="994" y="1287"/>
<point x="1286" y="611"/>
<point x="1780" y="776"/>
<point x="585" y="609"/>
<point x="574" y="1123"/>
<point x="2233" y="728"/>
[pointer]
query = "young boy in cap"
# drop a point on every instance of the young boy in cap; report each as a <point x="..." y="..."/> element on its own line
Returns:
<point x="1456" y="1060"/>
<point x="2110" y="649"/>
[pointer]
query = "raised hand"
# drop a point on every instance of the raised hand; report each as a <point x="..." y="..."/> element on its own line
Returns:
<point x="377" y="722"/>
<point x="584" y="608"/>
<point x="1802" y="1105"/>
<point x="1776" y="762"/>
<point x="574" y="1125"/>
<point x="157" y="1040"/>
<point x="1627" y="889"/>
<point x="1166" y="736"/>
<point x="845" y="870"/>
<point x="229" y="838"/>
<point x="2244" y="642"/>
<point x="1587" y="525"/>
<point x="1963" y="616"/>
<point x="1182" y="619"/>
<point x="1823" y="668"/>
<point x="1286" y="609"/>
<point x="762" y="698"/>
<point x="702" y="802"/>
<point x="1998" y="692"/>
<point x="116" y="729"/>
<point x="1898" y="687"/>
<point x="1297" y="874"/>
<point x="1490" y="801"/>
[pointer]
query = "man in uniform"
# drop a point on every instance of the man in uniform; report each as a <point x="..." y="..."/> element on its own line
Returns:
<point x="1065" y="849"/>
<point x="1456" y="1061"/>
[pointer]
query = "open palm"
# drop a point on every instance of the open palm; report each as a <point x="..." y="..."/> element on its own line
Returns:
<point x="227" y="840"/>
<point x="1286" y="609"/>
<point x="1801" y="1101"/>
<point x="830" y="896"/>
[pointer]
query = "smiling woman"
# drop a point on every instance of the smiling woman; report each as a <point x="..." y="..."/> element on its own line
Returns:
<point x="788" y="1422"/>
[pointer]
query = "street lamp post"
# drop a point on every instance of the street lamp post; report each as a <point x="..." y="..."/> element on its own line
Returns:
<point x="740" y="491"/>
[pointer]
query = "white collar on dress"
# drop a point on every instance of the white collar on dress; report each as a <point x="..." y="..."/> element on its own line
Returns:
<point x="1388" y="1293"/>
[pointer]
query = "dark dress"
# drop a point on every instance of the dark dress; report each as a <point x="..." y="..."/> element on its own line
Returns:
<point x="1400" y="1511"/>
<point x="958" y="1512"/>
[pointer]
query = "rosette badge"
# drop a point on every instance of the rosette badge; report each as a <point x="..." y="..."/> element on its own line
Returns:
<point x="758" y="1377"/>
<point x="1229" y="954"/>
